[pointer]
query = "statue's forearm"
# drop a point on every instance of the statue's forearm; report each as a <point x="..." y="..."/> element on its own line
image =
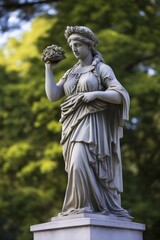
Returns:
<point x="110" y="96"/>
<point x="53" y="91"/>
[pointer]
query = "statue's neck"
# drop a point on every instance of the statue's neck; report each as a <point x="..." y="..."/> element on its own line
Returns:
<point x="86" y="61"/>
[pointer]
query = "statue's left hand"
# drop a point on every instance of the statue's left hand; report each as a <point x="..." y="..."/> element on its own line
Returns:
<point x="89" y="96"/>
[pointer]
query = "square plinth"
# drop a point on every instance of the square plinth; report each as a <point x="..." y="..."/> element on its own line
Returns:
<point x="88" y="227"/>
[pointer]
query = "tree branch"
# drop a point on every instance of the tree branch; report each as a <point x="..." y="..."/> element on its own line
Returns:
<point x="10" y="6"/>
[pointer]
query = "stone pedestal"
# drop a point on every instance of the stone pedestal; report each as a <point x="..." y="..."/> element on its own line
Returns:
<point x="88" y="227"/>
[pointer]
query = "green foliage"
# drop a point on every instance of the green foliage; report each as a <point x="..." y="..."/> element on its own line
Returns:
<point x="33" y="180"/>
<point x="30" y="155"/>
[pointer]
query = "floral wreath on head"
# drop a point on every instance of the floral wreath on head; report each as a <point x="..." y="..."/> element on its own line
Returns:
<point x="83" y="31"/>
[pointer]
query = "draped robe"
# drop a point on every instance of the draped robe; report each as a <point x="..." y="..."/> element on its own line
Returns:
<point x="91" y="135"/>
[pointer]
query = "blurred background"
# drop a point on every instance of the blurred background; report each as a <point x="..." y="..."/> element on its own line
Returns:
<point x="32" y="176"/>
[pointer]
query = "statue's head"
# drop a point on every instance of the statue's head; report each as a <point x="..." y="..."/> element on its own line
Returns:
<point x="81" y="33"/>
<point x="85" y="35"/>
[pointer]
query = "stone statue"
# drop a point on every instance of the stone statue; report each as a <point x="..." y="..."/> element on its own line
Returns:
<point x="92" y="116"/>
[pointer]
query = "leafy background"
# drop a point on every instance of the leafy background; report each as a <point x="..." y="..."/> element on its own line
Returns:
<point x="32" y="176"/>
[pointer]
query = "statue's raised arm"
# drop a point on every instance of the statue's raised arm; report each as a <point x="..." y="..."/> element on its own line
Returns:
<point x="51" y="56"/>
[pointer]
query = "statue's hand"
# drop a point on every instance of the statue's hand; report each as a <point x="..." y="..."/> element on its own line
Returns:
<point x="51" y="65"/>
<point x="89" y="96"/>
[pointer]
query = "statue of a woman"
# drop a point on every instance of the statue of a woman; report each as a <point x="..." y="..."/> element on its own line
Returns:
<point x="92" y="116"/>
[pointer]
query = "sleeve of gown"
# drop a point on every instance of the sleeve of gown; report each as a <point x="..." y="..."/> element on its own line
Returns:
<point x="108" y="77"/>
<point x="63" y="78"/>
<point x="110" y="82"/>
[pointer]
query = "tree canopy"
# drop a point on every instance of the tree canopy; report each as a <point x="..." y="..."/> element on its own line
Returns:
<point x="33" y="180"/>
<point x="15" y="12"/>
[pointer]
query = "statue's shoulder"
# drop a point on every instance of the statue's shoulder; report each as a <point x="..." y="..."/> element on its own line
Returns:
<point x="103" y="68"/>
<point x="68" y="72"/>
<point x="102" y="65"/>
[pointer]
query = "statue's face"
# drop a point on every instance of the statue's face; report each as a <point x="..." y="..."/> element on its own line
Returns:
<point x="79" y="49"/>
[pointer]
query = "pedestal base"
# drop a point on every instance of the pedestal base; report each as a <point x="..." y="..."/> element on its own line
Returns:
<point x="88" y="227"/>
